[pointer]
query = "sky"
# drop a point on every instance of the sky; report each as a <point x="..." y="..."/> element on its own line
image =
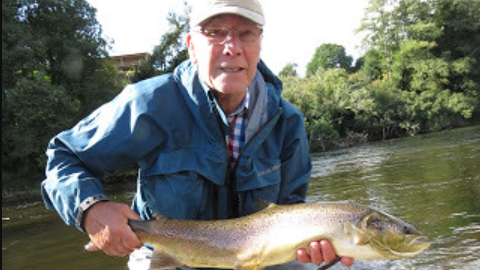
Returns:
<point x="293" y="30"/>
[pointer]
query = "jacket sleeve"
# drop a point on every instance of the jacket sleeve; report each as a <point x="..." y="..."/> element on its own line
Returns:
<point x="114" y="137"/>
<point x="296" y="163"/>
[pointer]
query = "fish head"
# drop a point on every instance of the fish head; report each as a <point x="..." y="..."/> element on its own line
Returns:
<point x="387" y="236"/>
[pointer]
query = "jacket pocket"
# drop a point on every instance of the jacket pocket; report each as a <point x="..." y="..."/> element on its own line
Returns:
<point x="176" y="195"/>
<point x="262" y="177"/>
<point x="176" y="183"/>
<point x="260" y="181"/>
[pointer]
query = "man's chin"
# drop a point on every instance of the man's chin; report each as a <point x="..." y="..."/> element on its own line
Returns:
<point x="231" y="87"/>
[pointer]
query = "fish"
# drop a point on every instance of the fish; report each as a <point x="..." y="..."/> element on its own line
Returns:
<point x="273" y="235"/>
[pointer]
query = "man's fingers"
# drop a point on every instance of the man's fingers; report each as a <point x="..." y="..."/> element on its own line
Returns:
<point x="107" y="227"/>
<point x="320" y="252"/>
<point x="131" y="242"/>
<point x="347" y="261"/>
<point x="117" y="249"/>
<point x="316" y="253"/>
<point x="327" y="251"/>
<point x="122" y="248"/>
<point x="302" y="256"/>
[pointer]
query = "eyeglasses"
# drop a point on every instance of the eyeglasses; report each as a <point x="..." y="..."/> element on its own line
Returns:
<point x="218" y="35"/>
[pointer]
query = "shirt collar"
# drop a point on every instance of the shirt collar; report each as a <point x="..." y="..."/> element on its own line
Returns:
<point x="244" y="106"/>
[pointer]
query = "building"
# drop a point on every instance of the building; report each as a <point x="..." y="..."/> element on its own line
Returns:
<point x="128" y="62"/>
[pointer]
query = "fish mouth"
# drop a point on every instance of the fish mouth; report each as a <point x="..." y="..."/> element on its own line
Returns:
<point x="409" y="246"/>
<point x="420" y="240"/>
<point x="420" y="243"/>
<point x="413" y="245"/>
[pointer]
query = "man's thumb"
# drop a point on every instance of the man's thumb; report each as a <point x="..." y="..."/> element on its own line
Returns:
<point x="131" y="215"/>
<point x="91" y="247"/>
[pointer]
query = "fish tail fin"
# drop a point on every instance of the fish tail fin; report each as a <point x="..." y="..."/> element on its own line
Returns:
<point x="161" y="260"/>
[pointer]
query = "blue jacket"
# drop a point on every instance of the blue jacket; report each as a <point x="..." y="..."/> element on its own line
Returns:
<point x="171" y="129"/>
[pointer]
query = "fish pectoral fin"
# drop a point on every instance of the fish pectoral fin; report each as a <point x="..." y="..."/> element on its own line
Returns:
<point x="161" y="260"/>
<point x="249" y="267"/>
<point x="356" y="235"/>
<point x="248" y="264"/>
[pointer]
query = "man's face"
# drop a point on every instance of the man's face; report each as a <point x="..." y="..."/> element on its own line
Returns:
<point x="227" y="67"/>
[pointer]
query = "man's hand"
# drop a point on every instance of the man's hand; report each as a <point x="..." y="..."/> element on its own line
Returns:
<point x="107" y="226"/>
<point x="320" y="252"/>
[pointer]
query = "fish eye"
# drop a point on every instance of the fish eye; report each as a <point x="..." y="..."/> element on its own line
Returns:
<point x="407" y="229"/>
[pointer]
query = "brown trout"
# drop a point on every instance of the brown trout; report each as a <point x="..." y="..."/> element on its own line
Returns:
<point x="272" y="236"/>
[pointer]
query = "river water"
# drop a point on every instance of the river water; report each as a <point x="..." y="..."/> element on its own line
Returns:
<point x="432" y="181"/>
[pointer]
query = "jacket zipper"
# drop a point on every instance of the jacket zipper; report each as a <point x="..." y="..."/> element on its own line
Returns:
<point x="232" y="172"/>
<point x="262" y="127"/>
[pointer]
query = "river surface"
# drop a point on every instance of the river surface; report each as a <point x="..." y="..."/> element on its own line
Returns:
<point x="432" y="181"/>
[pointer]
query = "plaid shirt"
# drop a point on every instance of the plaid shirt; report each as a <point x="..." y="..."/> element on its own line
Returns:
<point x="238" y="122"/>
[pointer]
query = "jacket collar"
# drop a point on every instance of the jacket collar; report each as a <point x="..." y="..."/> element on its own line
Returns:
<point x="187" y="74"/>
<point x="200" y="97"/>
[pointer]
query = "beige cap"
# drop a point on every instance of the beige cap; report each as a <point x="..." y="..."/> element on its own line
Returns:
<point x="205" y="9"/>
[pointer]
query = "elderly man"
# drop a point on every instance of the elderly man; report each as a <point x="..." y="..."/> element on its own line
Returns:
<point x="209" y="140"/>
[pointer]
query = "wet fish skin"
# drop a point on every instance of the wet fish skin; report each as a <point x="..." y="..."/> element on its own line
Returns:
<point x="272" y="236"/>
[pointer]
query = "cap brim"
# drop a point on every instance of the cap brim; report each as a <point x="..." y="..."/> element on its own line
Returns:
<point x="248" y="14"/>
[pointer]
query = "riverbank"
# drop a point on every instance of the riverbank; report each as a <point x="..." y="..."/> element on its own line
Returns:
<point x="21" y="197"/>
<point x="22" y="193"/>
<point x="324" y="145"/>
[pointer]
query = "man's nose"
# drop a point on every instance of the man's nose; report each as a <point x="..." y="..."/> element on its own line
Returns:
<point x="232" y="45"/>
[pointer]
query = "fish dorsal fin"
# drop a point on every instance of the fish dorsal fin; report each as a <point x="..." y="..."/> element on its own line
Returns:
<point x="161" y="260"/>
<point x="261" y="205"/>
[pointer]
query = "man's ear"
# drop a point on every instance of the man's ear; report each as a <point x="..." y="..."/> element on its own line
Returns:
<point x="191" y="49"/>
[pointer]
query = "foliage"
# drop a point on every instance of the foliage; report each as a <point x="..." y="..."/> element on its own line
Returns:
<point x="329" y="56"/>
<point x="53" y="75"/>
<point x="290" y="70"/>
<point x="373" y="65"/>
<point x="420" y="74"/>
<point x="171" y="51"/>
<point x="460" y="43"/>
<point x="36" y="121"/>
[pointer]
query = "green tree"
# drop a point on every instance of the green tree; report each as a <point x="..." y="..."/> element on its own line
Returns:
<point x="373" y="65"/>
<point x="420" y="74"/>
<point x="380" y="36"/>
<point x="413" y="45"/>
<point x="387" y="24"/>
<point x="460" y="42"/>
<point x="54" y="74"/>
<point x="290" y="70"/>
<point x="171" y="51"/>
<point x="329" y="56"/>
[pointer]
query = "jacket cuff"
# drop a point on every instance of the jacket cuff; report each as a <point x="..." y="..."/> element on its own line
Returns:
<point x="85" y="205"/>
